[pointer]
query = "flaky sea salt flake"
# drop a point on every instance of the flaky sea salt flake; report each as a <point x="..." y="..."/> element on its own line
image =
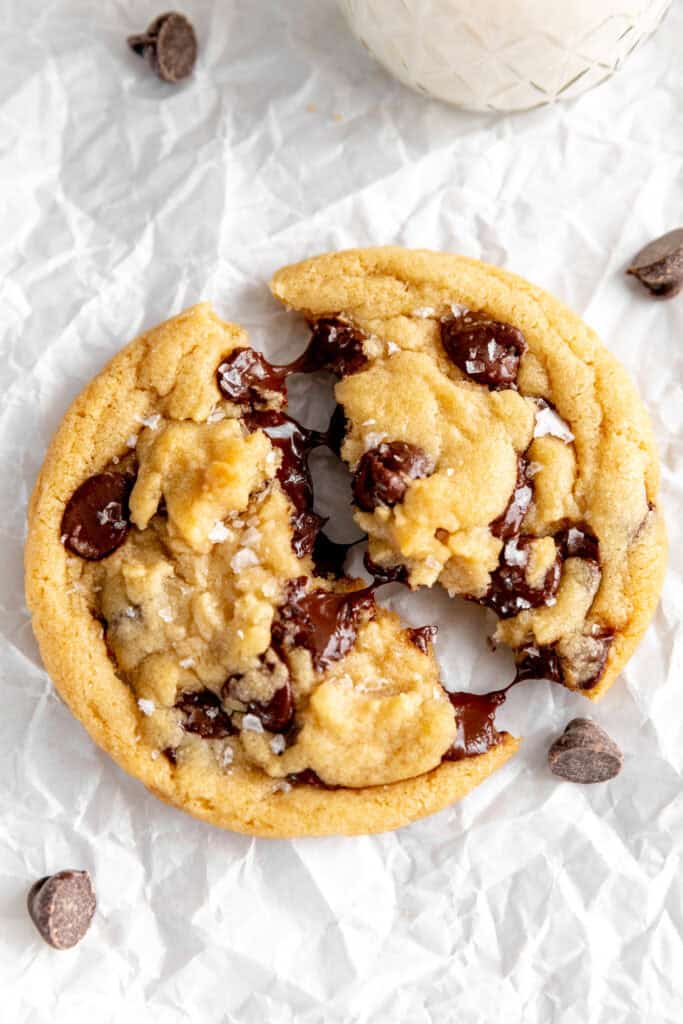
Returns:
<point x="148" y="707"/>
<point x="252" y="723"/>
<point x="218" y="533"/>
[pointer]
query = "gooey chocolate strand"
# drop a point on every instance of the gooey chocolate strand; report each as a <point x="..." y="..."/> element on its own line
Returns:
<point x="246" y="377"/>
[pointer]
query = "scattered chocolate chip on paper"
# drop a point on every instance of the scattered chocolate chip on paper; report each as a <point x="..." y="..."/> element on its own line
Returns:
<point x="659" y="265"/>
<point x="62" y="906"/>
<point x="169" y="45"/>
<point x="584" y="753"/>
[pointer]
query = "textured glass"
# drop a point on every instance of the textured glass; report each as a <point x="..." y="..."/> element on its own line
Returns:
<point x="503" y="54"/>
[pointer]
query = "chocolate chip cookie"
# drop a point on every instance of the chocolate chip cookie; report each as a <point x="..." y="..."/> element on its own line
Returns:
<point x="190" y="612"/>
<point x="197" y="620"/>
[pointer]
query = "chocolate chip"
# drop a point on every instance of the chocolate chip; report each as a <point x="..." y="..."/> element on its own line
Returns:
<point x="509" y="593"/>
<point x="96" y="517"/>
<point x="509" y="523"/>
<point x="422" y="636"/>
<point x="487" y="350"/>
<point x="383" y="473"/>
<point x="170" y="755"/>
<point x="204" y="715"/>
<point x="335" y="345"/>
<point x="585" y="754"/>
<point x="245" y="377"/>
<point x="62" y="906"/>
<point x="323" y="622"/>
<point x="169" y="45"/>
<point x="659" y="266"/>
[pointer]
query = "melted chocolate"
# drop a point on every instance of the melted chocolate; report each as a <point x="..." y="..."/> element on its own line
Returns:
<point x="324" y="623"/>
<point x="204" y="715"/>
<point x="579" y="542"/>
<point x="422" y="636"/>
<point x="383" y="473"/>
<point x="475" y="716"/>
<point x="335" y="345"/>
<point x="487" y="350"/>
<point x="385" y="573"/>
<point x="509" y="592"/>
<point x="277" y="714"/>
<point x="308" y="778"/>
<point x="509" y="523"/>
<point x="246" y="377"/>
<point x="96" y="517"/>
<point x="329" y="556"/>
<point x="538" y="663"/>
<point x="170" y="755"/>
<point x="296" y="444"/>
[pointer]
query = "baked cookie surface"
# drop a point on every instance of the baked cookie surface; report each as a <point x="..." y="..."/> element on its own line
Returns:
<point x="191" y="615"/>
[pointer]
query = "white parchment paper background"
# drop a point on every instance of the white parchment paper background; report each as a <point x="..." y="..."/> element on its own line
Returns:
<point x="124" y="200"/>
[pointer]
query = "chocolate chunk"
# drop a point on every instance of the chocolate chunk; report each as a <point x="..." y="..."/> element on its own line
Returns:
<point x="96" y="517"/>
<point x="383" y="473"/>
<point x="422" y="636"/>
<point x="62" y="906"/>
<point x="538" y="663"/>
<point x="385" y="573"/>
<point x="578" y="542"/>
<point x="509" y="592"/>
<point x="277" y="714"/>
<point x="584" y="753"/>
<point x="170" y="755"/>
<point x="245" y="377"/>
<point x="169" y="45"/>
<point x="487" y="350"/>
<point x="324" y="623"/>
<point x="335" y="345"/>
<point x="308" y="778"/>
<point x="509" y="523"/>
<point x="659" y="266"/>
<point x="475" y="718"/>
<point x="204" y="715"/>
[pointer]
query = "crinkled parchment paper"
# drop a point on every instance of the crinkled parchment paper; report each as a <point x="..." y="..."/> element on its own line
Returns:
<point x="125" y="200"/>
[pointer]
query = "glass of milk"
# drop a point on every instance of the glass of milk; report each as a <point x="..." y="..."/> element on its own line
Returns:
<point x="503" y="54"/>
